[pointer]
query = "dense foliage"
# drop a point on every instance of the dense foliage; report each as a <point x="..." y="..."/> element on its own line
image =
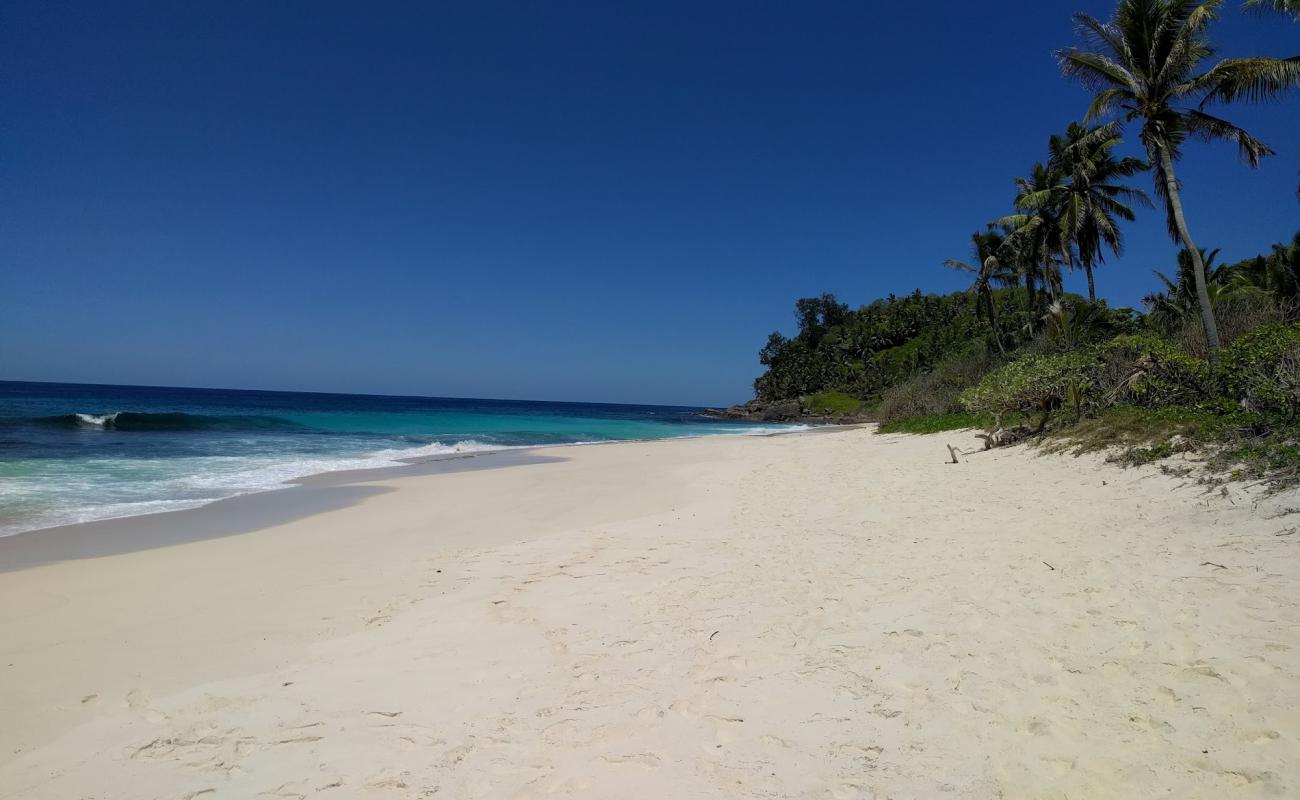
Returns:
<point x="864" y="351"/>
<point x="1262" y="368"/>
<point x="929" y="362"/>
<point x="1040" y="383"/>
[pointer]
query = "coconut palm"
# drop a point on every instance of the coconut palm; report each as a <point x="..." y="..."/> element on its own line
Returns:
<point x="988" y="270"/>
<point x="1146" y="64"/>
<point x="1034" y="242"/>
<point x="1180" y="298"/>
<point x="1276" y="274"/>
<point x="1291" y="7"/>
<point x="1284" y="261"/>
<point x="1091" y="198"/>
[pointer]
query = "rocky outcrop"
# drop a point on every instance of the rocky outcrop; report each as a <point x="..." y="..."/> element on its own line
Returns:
<point x="761" y="411"/>
<point x="780" y="411"/>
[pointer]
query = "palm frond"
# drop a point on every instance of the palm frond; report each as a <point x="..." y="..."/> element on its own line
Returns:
<point x="1291" y="7"/>
<point x="1208" y="128"/>
<point x="1096" y="71"/>
<point x="1252" y="79"/>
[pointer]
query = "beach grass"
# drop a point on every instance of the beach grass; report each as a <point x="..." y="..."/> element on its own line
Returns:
<point x="833" y="403"/>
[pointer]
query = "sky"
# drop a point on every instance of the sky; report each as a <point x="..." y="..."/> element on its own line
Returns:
<point x="558" y="201"/>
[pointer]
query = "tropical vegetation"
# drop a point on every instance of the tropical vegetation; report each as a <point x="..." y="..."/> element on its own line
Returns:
<point x="1148" y="65"/>
<point x="1210" y="362"/>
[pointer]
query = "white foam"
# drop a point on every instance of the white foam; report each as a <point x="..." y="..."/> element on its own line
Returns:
<point x="238" y="475"/>
<point x="203" y="480"/>
<point x="96" y="420"/>
<point x="768" y="430"/>
<point x="404" y="455"/>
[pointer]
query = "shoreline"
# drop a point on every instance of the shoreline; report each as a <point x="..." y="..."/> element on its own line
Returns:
<point x="820" y="613"/>
<point x="230" y="516"/>
<point x="446" y="462"/>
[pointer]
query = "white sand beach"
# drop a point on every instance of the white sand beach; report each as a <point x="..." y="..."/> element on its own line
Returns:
<point x="820" y="615"/>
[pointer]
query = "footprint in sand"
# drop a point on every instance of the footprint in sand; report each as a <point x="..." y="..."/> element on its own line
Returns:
<point x="648" y="760"/>
<point x="388" y="780"/>
<point x="138" y="700"/>
<point x="456" y="755"/>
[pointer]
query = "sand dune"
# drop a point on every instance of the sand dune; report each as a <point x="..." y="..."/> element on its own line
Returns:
<point x="836" y="615"/>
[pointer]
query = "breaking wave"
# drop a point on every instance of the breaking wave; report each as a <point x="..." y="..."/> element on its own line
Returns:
<point x="168" y="421"/>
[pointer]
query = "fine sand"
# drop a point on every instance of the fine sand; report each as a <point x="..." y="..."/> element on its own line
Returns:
<point x="821" y="615"/>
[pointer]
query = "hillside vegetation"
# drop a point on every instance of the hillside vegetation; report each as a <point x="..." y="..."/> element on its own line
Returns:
<point x="1087" y="375"/>
<point x="1212" y="361"/>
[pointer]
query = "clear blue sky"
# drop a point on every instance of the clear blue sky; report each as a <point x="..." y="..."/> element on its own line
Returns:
<point x="590" y="201"/>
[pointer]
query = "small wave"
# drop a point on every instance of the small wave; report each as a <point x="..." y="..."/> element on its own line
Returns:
<point x="137" y="421"/>
<point x="768" y="430"/>
<point x="94" y="420"/>
<point x="466" y="446"/>
<point x="229" y="476"/>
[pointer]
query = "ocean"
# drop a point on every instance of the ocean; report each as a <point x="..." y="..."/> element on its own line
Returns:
<point x="76" y="452"/>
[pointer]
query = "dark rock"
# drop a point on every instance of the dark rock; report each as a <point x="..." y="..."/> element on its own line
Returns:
<point x="779" y="411"/>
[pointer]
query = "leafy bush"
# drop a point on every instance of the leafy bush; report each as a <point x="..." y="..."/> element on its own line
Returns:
<point x="922" y="395"/>
<point x="1040" y="383"/>
<point x="938" y="392"/>
<point x="1149" y="371"/>
<point x="1262" y="369"/>
<point x="934" y="423"/>
<point x="1236" y="315"/>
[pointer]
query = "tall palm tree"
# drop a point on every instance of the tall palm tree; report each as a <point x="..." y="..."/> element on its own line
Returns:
<point x="1146" y="63"/>
<point x="1291" y="7"/>
<point x="988" y="270"/>
<point x="1090" y="197"/>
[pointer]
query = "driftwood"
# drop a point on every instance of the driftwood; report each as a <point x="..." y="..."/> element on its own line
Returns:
<point x="952" y="451"/>
<point x="999" y="436"/>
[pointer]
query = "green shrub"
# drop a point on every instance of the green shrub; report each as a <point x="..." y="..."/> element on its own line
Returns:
<point x="1148" y="371"/>
<point x="1262" y="369"/>
<point x="937" y="392"/>
<point x="833" y="404"/>
<point x="933" y="423"/>
<point x="1039" y="383"/>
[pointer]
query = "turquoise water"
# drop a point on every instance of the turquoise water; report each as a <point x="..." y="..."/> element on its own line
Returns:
<point x="74" y="453"/>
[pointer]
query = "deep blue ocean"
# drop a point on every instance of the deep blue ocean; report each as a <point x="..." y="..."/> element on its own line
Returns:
<point x="75" y="452"/>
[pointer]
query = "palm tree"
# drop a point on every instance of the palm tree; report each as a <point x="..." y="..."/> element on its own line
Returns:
<point x="1146" y="64"/>
<point x="1291" y="7"/>
<point x="1034" y="241"/>
<point x="988" y="271"/>
<point x="1091" y="198"/>
<point x="1277" y="274"/>
<point x="1284" y="262"/>
<point x="1180" y="298"/>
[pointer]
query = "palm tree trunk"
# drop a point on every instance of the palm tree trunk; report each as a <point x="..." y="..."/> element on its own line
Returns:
<point x="1092" y="289"/>
<point x="1198" y="264"/>
<point x="993" y="322"/>
<point x="1047" y="279"/>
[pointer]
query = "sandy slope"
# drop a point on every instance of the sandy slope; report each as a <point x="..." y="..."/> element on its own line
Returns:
<point x="832" y="615"/>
